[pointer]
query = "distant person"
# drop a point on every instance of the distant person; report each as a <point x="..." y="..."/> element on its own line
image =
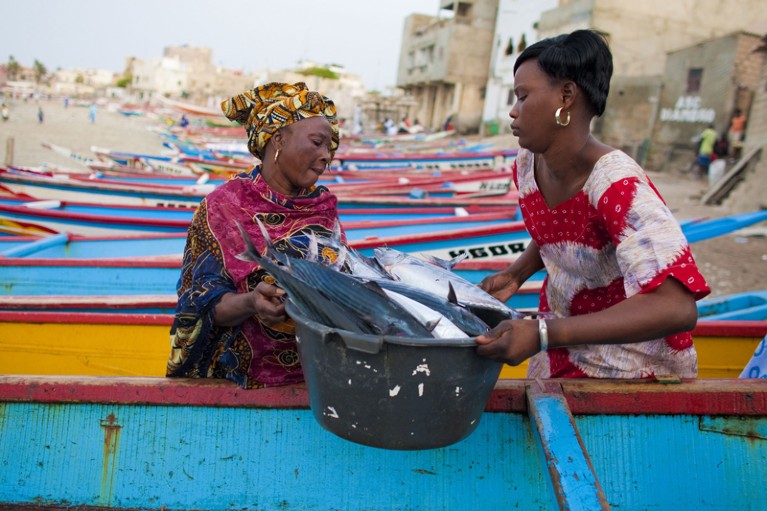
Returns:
<point x="66" y="101"/>
<point x="619" y="296"/>
<point x="404" y="125"/>
<point x="722" y="146"/>
<point x="40" y="115"/>
<point x="389" y="127"/>
<point x="706" y="150"/>
<point x="736" y="133"/>
<point x="448" y="126"/>
<point x="5" y="112"/>
<point x="184" y="121"/>
<point x="92" y="112"/>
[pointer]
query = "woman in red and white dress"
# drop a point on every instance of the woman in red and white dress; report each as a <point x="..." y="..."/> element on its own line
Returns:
<point x="621" y="281"/>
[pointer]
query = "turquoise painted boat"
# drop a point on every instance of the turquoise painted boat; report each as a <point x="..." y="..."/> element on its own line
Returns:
<point x="94" y="220"/>
<point x="21" y="277"/>
<point x="750" y="305"/>
<point x="155" y="443"/>
<point x="498" y="238"/>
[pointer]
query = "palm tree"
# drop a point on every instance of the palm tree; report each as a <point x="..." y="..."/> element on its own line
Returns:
<point x="40" y="71"/>
<point x="12" y="68"/>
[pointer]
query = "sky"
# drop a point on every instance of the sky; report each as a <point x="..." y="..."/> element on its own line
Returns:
<point x="362" y="35"/>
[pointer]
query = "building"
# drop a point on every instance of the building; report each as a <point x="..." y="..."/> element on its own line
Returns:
<point x="188" y="73"/>
<point x="641" y="34"/>
<point x="444" y="63"/>
<point x="748" y="193"/>
<point x="515" y="29"/>
<point x="702" y="85"/>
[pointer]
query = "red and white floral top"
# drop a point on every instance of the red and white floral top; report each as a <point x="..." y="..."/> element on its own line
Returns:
<point x="612" y="240"/>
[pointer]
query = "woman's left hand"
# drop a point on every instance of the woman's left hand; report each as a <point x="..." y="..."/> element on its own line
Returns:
<point x="512" y="341"/>
<point x="269" y="303"/>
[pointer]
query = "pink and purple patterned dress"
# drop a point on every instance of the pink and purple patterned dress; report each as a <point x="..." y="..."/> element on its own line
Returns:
<point x="252" y="354"/>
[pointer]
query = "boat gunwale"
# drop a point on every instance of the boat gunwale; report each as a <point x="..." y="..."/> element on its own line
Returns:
<point x="726" y="397"/>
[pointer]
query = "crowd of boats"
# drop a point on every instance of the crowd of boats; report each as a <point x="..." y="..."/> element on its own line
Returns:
<point x="89" y="259"/>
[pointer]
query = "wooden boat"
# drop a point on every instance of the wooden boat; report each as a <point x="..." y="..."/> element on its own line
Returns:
<point x="452" y="160"/>
<point x="130" y="275"/>
<point x="45" y="342"/>
<point x="503" y="240"/>
<point x="751" y="305"/>
<point x="160" y="443"/>
<point x="87" y="220"/>
<point x="81" y="189"/>
<point x="77" y="188"/>
<point x="724" y="348"/>
<point x="77" y="338"/>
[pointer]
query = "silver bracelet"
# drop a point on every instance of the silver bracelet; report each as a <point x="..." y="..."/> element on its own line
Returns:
<point x="543" y="334"/>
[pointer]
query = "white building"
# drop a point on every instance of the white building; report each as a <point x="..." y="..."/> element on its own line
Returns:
<point x="515" y="28"/>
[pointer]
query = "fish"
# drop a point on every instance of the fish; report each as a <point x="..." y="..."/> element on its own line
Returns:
<point x="441" y="327"/>
<point x="310" y="302"/>
<point x="439" y="280"/>
<point x="365" y="299"/>
<point x="334" y="298"/>
<point x="471" y="324"/>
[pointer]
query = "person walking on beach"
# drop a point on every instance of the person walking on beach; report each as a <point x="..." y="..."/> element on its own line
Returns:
<point x="40" y="114"/>
<point x="92" y="112"/>
<point x="5" y="112"/>
<point x="619" y="297"/>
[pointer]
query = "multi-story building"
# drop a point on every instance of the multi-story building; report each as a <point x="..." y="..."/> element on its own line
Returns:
<point x="515" y="29"/>
<point x="444" y="63"/>
<point x="641" y="34"/>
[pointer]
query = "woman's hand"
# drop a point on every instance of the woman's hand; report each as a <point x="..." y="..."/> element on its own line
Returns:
<point x="264" y="302"/>
<point x="501" y="285"/>
<point x="512" y="341"/>
<point x="269" y="303"/>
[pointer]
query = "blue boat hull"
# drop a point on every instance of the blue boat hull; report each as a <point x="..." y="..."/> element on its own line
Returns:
<point x="146" y="443"/>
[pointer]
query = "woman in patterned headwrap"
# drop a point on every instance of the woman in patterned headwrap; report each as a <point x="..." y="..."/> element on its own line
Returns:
<point x="230" y="320"/>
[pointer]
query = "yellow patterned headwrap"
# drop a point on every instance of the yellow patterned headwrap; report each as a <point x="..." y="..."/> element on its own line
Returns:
<point x="269" y="107"/>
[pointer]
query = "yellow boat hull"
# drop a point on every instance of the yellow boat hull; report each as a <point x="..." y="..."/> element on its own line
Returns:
<point x="724" y="348"/>
<point x="138" y="345"/>
<point x="80" y="344"/>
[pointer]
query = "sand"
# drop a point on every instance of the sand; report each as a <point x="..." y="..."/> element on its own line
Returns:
<point x="731" y="263"/>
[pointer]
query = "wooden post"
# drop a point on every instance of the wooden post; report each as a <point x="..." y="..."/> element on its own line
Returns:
<point x="9" y="152"/>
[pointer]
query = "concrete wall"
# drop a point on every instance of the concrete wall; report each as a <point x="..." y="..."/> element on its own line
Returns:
<point x="444" y="65"/>
<point x="751" y="193"/>
<point x="730" y="71"/>
<point x="641" y="34"/>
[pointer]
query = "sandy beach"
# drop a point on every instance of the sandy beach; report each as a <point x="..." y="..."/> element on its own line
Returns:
<point x="731" y="263"/>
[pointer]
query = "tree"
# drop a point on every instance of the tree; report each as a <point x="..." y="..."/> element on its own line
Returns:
<point x="522" y="44"/>
<point x="12" y="68"/>
<point x="40" y="71"/>
<point x="322" y="72"/>
<point x="125" y="81"/>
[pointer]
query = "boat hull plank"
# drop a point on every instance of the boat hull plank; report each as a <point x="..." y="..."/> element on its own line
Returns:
<point x="160" y="443"/>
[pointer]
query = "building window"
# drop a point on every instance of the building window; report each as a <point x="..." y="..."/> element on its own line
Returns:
<point x="510" y="98"/>
<point x="694" y="76"/>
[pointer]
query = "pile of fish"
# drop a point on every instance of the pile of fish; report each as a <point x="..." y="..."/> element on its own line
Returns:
<point x="392" y="293"/>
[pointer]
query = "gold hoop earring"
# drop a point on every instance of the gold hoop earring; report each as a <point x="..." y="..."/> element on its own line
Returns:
<point x="276" y="155"/>
<point x="558" y="117"/>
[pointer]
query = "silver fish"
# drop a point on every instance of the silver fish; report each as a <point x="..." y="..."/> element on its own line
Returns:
<point x="310" y="301"/>
<point x="366" y="300"/>
<point x="417" y="272"/>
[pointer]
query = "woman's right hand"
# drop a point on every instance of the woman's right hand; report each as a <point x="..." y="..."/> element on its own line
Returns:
<point x="501" y="285"/>
<point x="269" y="303"/>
